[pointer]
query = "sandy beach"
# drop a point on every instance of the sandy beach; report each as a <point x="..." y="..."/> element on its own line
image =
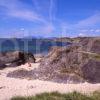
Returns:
<point x="10" y="87"/>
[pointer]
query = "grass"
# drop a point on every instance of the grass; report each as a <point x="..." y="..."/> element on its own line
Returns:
<point x="59" y="96"/>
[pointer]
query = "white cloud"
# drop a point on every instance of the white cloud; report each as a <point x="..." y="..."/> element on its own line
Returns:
<point x="92" y="30"/>
<point x="85" y="27"/>
<point x="89" y="32"/>
<point x="90" y="21"/>
<point x="81" y="34"/>
<point x="22" y="29"/>
<point x="25" y="14"/>
<point x="15" y="8"/>
<point x="97" y="30"/>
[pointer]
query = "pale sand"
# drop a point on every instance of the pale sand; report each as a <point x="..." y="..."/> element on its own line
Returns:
<point x="10" y="87"/>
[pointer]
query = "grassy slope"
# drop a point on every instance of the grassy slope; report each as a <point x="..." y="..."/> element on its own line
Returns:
<point x="58" y="96"/>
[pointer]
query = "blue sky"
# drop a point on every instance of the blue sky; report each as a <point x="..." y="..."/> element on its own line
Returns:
<point x="49" y="18"/>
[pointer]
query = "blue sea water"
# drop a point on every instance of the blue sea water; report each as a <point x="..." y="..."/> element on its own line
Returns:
<point x="34" y="46"/>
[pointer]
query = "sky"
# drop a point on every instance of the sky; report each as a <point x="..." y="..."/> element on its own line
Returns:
<point x="49" y="18"/>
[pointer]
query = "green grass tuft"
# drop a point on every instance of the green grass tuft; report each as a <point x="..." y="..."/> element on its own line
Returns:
<point x="59" y="96"/>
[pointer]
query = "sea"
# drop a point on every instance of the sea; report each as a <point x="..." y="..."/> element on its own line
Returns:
<point x="32" y="45"/>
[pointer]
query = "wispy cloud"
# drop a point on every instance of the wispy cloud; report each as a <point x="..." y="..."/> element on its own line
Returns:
<point x="14" y="8"/>
<point x="90" y="21"/>
<point x="97" y="30"/>
<point x="25" y="14"/>
<point x="48" y="27"/>
<point x="51" y="10"/>
<point x="43" y="13"/>
<point x="17" y="9"/>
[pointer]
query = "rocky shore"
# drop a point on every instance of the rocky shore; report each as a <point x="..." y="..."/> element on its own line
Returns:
<point x="77" y="63"/>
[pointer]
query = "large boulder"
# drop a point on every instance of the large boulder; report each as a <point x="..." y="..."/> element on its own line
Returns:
<point x="2" y="66"/>
<point x="16" y="58"/>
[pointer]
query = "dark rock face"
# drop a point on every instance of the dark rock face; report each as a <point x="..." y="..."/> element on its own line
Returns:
<point x="22" y="73"/>
<point x="91" y="71"/>
<point x="15" y="58"/>
<point x="2" y="66"/>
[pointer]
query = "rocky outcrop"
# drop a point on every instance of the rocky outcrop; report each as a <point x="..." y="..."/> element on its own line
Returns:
<point x="15" y="58"/>
<point x="2" y="66"/>
<point x="75" y="63"/>
<point x="61" y="65"/>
